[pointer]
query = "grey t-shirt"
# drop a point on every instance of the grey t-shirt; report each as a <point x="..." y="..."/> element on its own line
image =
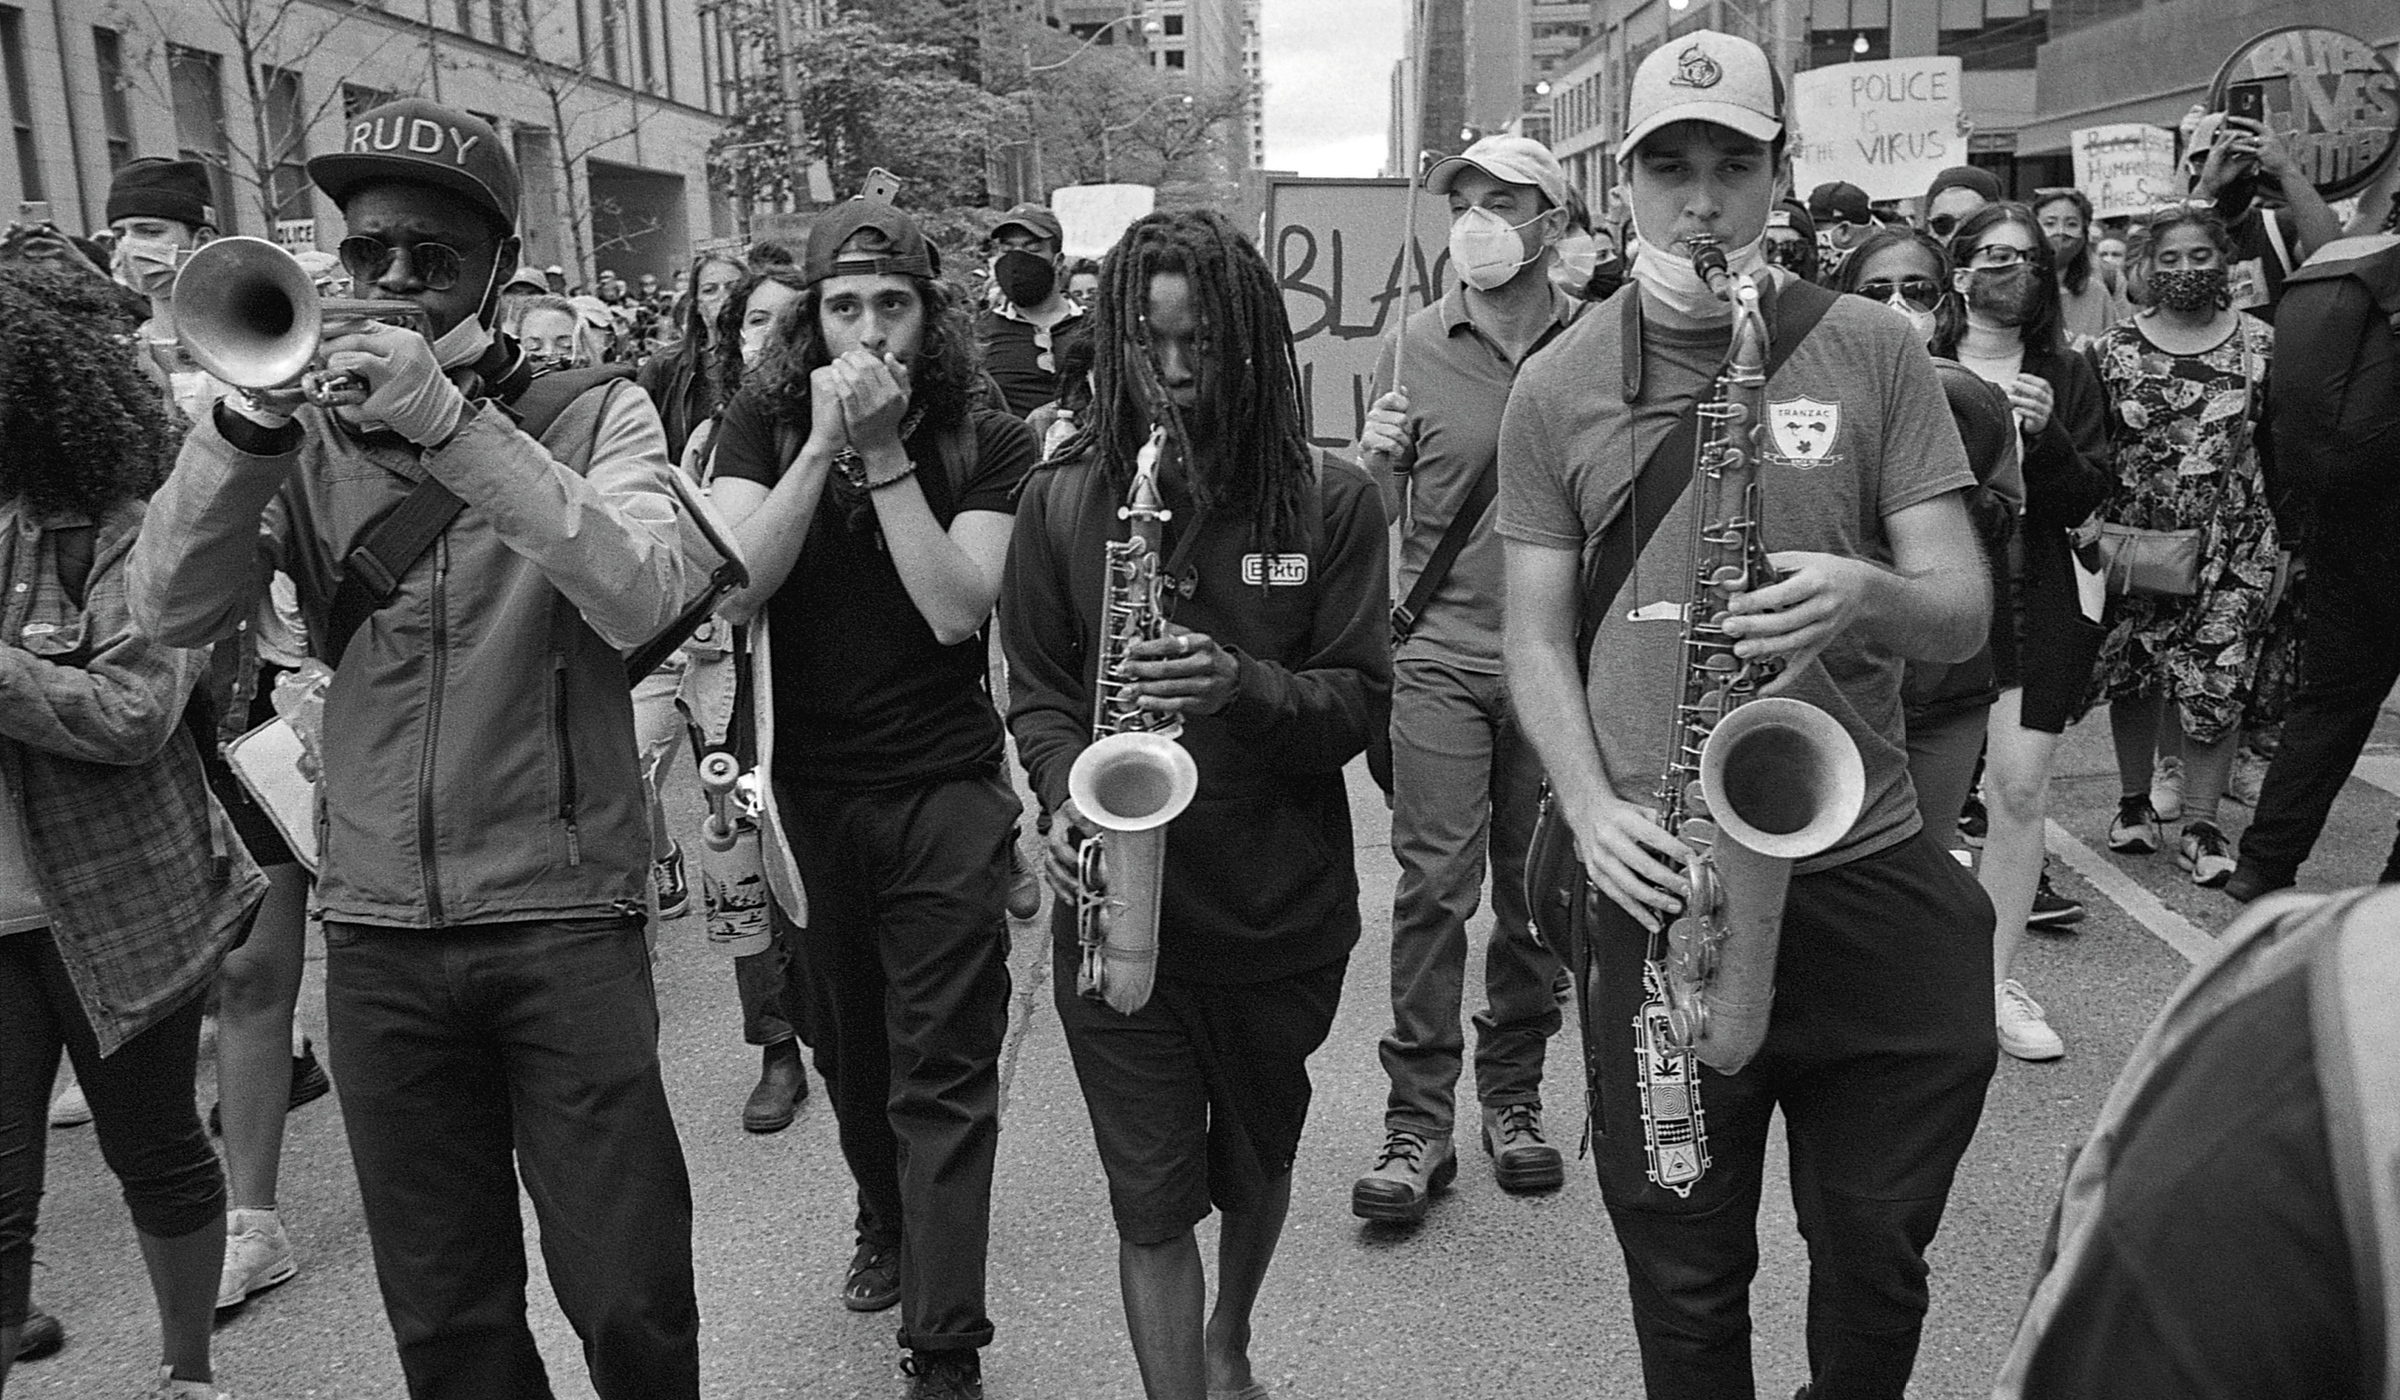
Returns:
<point x="1858" y="429"/>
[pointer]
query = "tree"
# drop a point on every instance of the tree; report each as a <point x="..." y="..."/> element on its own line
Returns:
<point x="272" y="42"/>
<point x="867" y="99"/>
<point x="1112" y="117"/>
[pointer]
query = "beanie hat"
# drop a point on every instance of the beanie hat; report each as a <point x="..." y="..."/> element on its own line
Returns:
<point x="155" y="187"/>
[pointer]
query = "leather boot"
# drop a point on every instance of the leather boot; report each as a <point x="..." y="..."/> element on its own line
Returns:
<point x="782" y="1085"/>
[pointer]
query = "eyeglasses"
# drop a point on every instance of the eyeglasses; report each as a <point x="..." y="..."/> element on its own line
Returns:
<point x="370" y="259"/>
<point x="1921" y="293"/>
<point x="1942" y="225"/>
<point x="1997" y="255"/>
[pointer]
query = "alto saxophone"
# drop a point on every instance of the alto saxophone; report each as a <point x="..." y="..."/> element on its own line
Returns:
<point x="1134" y="778"/>
<point x="1751" y="784"/>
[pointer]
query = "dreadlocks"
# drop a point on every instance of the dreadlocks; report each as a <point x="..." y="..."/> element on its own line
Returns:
<point x="1250" y="381"/>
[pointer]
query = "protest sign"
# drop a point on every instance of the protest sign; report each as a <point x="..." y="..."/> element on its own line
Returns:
<point x="2330" y="95"/>
<point x="296" y="236"/>
<point x="2125" y="169"/>
<point x="1336" y="248"/>
<point x="1093" y="217"/>
<point x="1886" y="127"/>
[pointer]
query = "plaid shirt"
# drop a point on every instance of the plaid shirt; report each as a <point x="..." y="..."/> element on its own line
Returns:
<point x="144" y="881"/>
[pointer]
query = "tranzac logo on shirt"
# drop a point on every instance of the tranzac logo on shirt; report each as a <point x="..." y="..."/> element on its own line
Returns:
<point x="1275" y="570"/>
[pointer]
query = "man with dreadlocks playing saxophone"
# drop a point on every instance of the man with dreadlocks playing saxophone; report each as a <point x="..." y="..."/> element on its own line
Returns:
<point x="1274" y="658"/>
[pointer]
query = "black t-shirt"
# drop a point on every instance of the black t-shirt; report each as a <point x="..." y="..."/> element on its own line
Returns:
<point x="865" y="696"/>
<point x="1022" y="358"/>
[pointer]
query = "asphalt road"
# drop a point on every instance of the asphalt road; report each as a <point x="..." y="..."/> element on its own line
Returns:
<point x="1494" y="1296"/>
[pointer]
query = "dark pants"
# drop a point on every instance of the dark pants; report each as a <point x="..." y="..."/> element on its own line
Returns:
<point x="903" y="974"/>
<point x="1464" y="780"/>
<point x="2349" y="660"/>
<point x="1878" y="1054"/>
<point x="469" y="1057"/>
<point x="758" y="980"/>
<point x="142" y="1110"/>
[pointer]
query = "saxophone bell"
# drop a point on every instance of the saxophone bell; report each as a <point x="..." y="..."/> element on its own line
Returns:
<point x="1130" y="785"/>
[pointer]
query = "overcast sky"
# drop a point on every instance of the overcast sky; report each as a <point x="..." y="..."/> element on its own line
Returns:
<point x="1329" y="77"/>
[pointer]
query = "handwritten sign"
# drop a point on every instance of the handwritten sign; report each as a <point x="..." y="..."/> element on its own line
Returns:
<point x="1339" y="251"/>
<point x="2126" y="168"/>
<point x="2334" y="99"/>
<point x="1092" y="218"/>
<point x="1886" y="127"/>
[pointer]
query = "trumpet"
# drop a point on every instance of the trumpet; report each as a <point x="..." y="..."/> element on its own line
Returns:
<point x="247" y="313"/>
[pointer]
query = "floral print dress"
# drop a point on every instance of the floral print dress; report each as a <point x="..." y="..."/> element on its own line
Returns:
<point x="2180" y="438"/>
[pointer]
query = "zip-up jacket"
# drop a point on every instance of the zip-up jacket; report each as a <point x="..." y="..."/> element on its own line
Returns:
<point x="478" y="756"/>
<point x="1260" y="878"/>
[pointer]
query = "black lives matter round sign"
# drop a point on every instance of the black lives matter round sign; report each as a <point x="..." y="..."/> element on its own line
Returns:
<point x="2330" y="95"/>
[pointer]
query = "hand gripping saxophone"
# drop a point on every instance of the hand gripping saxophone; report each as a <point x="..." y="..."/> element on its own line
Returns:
<point x="1751" y="784"/>
<point x="1134" y="778"/>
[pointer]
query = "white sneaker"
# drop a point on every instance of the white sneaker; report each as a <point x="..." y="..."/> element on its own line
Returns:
<point x="2166" y="787"/>
<point x="258" y="1256"/>
<point x="70" y="1109"/>
<point x="170" y="1388"/>
<point x="2024" y="1027"/>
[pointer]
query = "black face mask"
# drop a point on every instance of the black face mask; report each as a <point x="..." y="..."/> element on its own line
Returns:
<point x="2004" y="294"/>
<point x="1025" y="278"/>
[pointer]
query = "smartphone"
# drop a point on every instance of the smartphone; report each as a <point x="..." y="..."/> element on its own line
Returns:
<point x="883" y="187"/>
<point x="2248" y="100"/>
<point x="33" y="211"/>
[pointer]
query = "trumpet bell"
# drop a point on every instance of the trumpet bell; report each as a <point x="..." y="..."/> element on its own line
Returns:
<point x="1134" y="781"/>
<point x="247" y="312"/>
<point x="1782" y="778"/>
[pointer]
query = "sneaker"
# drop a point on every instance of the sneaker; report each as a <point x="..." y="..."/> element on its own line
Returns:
<point x="1407" y="1173"/>
<point x="943" y="1375"/>
<point x="873" y="1283"/>
<point x="2051" y="909"/>
<point x="674" y="892"/>
<point x="309" y="1084"/>
<point x="258" y="1256"/>
<point x="2135" y="831"/>
<point x="42" y="1335"/>
<point x="2248" y="776"/>
<point x="2024" y="1027"/>
<point x="2205" y="852"/>
<point x="70" y="1109"/>
<point x="1024" y="887"/>
<point x="170" y="1388"/>
<point x="2166" y="787"/>
<point x="782" y="1086"/>
<point x="1522" y="1157"/>
<point x="1974" y="823"/>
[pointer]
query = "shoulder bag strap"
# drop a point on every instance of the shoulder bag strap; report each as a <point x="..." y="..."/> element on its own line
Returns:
<point x="1668" y="470"/>
<point x="372" y="571"/>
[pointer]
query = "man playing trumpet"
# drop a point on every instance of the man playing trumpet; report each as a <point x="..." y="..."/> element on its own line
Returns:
<point x="485" y="850"/>
<point x="1275" y="659"/>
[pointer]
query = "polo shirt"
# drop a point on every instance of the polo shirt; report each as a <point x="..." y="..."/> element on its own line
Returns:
<point x="1458" y="382"/>
<point x="1021" y="356"/>
<point x="1857" y="429"/>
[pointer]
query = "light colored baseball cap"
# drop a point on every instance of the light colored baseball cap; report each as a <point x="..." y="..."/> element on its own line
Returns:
<point x="1514" y="160"/>
<point x="1705" y="76"/>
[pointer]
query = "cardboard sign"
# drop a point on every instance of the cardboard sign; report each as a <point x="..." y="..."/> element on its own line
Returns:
<point x="1091" y="218"/>
<point x="2125" y="169"/>
<point x="2332" y="97"/>
<point x="1886" y="127"/>
<point x="1337" y="250"/>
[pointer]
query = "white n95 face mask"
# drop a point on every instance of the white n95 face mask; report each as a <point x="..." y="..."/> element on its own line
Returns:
<point x="1485" y="249"/>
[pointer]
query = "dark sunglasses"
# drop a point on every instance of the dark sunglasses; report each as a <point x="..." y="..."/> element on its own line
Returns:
<point x="369" y="259"/>
<point x="1921" y="293"/>
<point x="1942" y="225"/>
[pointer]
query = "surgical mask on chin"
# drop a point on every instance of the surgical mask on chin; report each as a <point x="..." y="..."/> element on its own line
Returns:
<point x="147" y="265"/>
<point x="1672" y="279"/>
<point x="1486" y="250"/>
<point x="464" y="343"/>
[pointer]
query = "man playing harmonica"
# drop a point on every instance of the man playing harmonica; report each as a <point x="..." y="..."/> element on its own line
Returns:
<point x="485" y="853"/>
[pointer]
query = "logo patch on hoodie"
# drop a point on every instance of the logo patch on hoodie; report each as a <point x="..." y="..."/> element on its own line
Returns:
<point x="1275" y="570"/>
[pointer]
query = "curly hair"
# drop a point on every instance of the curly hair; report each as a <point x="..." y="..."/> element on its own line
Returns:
<point x="2141" y="242"/>
<point x="942" y="377"/>
<point x="1251" y="380"/>
<point x="726" y="357"/>
<point x="82" y="428"/>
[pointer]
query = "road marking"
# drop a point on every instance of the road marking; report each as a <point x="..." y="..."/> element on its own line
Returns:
<point x="2129" y="894"/>
<point x="2381" y="769"/>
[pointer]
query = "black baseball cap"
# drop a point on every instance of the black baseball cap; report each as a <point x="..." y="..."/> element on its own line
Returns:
<point x="423" y="143"/>
<point x="1035" y="219"/>
<point x="863" y="237"/>
<point x="1840" y="200"/>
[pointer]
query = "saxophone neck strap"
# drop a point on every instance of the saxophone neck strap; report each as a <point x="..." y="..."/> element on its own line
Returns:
<point x="1792" y="311"/>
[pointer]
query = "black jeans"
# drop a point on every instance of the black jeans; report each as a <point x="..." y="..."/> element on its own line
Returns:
<point x="1880" y="1049"/>
<point x="2349" y="660"/>
<point x="142" y="1111"/>
<point x="469" y="1056"/>
<point x="903" y="974"/>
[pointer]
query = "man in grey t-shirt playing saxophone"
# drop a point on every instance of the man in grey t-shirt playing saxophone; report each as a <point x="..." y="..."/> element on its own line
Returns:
<point x="1880" y="1041"/>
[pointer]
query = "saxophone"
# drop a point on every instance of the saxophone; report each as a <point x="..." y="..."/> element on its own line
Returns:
<point x="1751" y="784"/>
<point x="1134" y="778"/>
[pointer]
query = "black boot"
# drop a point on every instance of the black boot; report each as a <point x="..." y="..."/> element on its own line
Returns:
<point x="782" y="1086"/>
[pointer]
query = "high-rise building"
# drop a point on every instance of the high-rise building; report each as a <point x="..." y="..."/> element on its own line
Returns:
<point x="1482" y="66"/>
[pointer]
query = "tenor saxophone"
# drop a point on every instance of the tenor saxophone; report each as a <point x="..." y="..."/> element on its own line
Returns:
<point x="1751" y="783"/>
<point x="1134" y="778"/>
